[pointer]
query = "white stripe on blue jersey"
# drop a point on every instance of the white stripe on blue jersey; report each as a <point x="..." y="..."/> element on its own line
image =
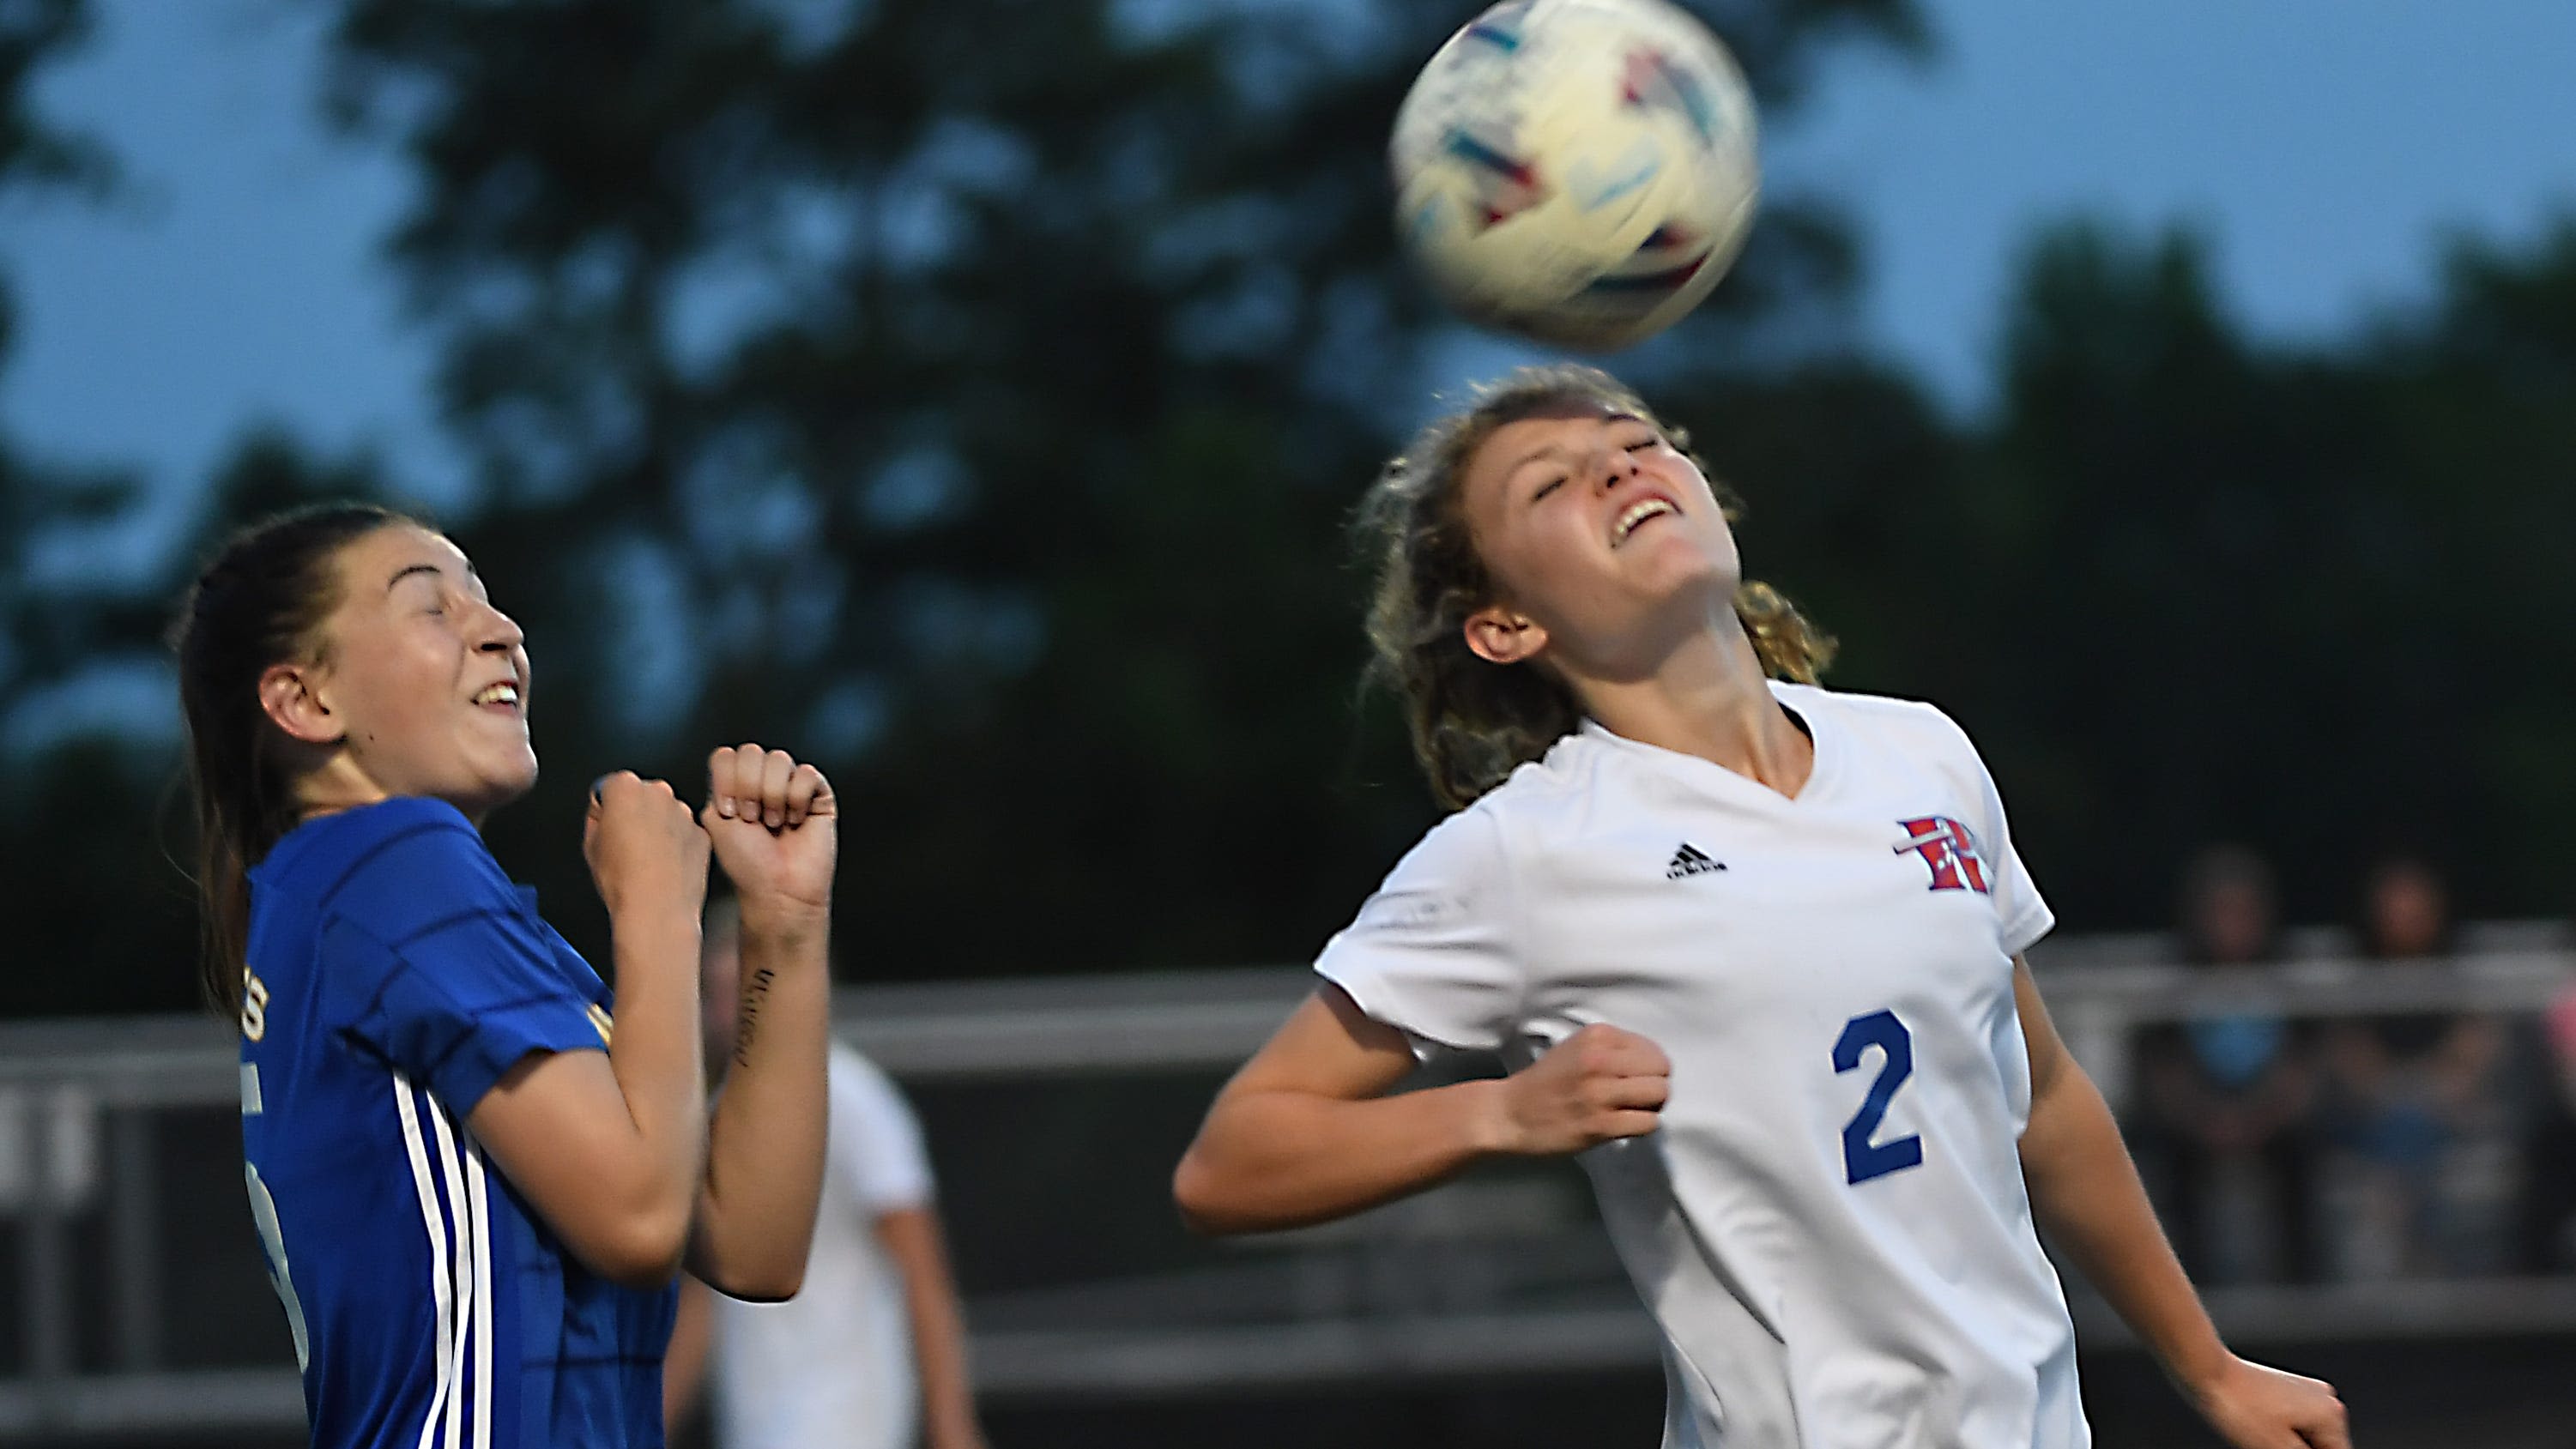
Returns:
<point x="460" y="1263"/>
<point x="433" y="1218"/>
<point x="478" y="1201"/>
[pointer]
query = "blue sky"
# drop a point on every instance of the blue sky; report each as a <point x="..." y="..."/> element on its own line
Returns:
<point x="235" y="279"/>
<point x="2325" y="145"/>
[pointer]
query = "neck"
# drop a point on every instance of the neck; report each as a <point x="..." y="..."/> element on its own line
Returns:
<point x="328" y="781"/>
<point x="339" y="784"/>
<point x="1708" y="697"/>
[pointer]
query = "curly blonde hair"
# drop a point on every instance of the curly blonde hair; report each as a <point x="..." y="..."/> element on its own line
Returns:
<point x="1473" y="721"/>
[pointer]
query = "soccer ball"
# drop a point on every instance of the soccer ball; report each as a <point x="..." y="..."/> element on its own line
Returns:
<point x="1578" y="171"/>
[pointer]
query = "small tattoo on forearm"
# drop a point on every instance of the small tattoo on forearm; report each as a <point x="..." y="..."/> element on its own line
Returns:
<point x="755" y="994"/>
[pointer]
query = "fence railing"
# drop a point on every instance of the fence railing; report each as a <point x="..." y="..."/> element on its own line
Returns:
<point x="135" y="1300"/>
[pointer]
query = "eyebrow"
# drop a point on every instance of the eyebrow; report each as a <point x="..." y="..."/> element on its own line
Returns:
<point x="432" y="570"/>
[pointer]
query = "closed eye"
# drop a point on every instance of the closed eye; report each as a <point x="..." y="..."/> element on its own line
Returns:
<point x="1544" y="489"/>
<point x="428" y="595"/>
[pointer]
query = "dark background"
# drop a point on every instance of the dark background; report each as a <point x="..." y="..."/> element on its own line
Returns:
<point x="1025" y="517"/>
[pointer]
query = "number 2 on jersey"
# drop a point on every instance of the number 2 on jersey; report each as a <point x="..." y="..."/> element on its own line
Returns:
<point x="1862" y="1158"/>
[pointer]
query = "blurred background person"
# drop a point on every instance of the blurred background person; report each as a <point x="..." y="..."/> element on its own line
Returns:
<point x="871" y="1354"/>
<point x="2419" y="1108"/>
<point x="2549" y="1154"/>
<point x="2228" y="1100"/>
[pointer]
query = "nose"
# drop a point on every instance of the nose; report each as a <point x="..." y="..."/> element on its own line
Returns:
<point x="1617" y="466"/>
<point x="498" y="632"/>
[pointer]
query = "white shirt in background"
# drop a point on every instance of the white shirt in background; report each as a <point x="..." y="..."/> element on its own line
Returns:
<point x="832" y="1368"/>
<point x="1830" y="1225"/>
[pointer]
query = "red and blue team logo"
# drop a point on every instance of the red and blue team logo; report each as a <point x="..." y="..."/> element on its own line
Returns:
<point x="1951" y="852"/>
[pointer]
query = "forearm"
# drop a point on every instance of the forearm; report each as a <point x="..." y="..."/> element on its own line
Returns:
<point x="684" y="1363"/>
<point x="1281" y="1159"/>
<point x="654" y="1055"/>
<point x="764" y="1168"/>
<point x="2086" y="1194"/>
<point x="938" y="1326"/>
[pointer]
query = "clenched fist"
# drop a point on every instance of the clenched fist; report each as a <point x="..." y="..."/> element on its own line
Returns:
<point x="776" y="830"/>
<point x="643" y="846"/>
<point x="1596" y="1086"/>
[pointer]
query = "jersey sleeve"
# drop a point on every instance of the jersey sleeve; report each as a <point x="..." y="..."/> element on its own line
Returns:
<point x="2022" y="915"/>
<point x="440" y="969"/>
<point x="875" y="1142"/>
<point x="1432" y="952"/>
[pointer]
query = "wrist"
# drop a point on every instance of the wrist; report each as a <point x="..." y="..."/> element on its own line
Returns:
<point x="1489" y="1128"/>
<point x="654" y="913"/>
<point x="784" y="921"/>
<point x="2200" y="1369"/>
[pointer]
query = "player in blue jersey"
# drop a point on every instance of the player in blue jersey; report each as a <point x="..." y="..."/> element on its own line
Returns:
<point x="474" y="1171"/>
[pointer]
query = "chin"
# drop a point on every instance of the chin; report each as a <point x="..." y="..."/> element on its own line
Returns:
<point x="1718" y="567"/>
<point x="501" y="787"/>
<point x="1696" y="579"/>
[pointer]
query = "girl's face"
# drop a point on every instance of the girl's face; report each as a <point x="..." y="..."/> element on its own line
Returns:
<point x="422" y="683"/>
<point x="1601" y="539"/>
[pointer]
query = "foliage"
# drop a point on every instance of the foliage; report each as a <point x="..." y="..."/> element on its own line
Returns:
<point x="970" y="395"/>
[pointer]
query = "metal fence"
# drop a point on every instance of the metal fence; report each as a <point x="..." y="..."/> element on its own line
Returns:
<point x="135" y="1299"/>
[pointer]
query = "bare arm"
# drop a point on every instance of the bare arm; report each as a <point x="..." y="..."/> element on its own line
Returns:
<point x="608" y="1148"/>
<point x="1304" y="1133"/>
<point x="2084" y="1189"/>
<point x="684" y="1363"/>
<point x="912" y="1238"/>
<point x="764" y="1168"/>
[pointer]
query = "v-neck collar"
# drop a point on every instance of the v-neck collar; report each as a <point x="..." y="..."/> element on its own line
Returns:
<point x="1822" y="735"/>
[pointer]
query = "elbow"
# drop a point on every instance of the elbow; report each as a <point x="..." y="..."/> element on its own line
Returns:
<point x="776" y="1289"/>
<point x="1198" y="1191"/>
<point x="641" y="1249"/>
<point x="752" y="1262"/>
<point x="760" y="1283"/>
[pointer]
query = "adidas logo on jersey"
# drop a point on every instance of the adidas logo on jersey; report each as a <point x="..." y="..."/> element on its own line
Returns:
<point x="1691" y="860"/>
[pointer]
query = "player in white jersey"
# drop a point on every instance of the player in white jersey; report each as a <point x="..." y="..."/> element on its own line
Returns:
<point x="1753" y="947"/>
<point x="871" y="1352"/>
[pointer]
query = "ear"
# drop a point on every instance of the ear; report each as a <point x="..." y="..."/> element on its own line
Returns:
<point x="1499" y="636"/>
<point x="289" y="696"/>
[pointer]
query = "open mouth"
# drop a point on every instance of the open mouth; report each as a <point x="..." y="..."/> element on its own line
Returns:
<point x="504" y="696"/>
<point x="1638" y="514"/>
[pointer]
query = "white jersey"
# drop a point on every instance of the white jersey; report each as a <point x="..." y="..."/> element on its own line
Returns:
<point x="1830" y="1225"/>
<point x="832" y="1368"/>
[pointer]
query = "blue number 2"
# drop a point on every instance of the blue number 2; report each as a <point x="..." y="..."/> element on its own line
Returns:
<point x="1862" y="1158"/>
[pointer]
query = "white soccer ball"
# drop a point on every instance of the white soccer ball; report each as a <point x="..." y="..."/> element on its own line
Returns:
<point x="1579" y="171"/>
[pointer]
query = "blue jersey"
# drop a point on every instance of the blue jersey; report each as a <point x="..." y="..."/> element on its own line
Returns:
<point x="395" y="974"/>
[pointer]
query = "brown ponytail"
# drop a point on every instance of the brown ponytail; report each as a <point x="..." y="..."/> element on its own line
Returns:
<point x="261" y="601"/>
